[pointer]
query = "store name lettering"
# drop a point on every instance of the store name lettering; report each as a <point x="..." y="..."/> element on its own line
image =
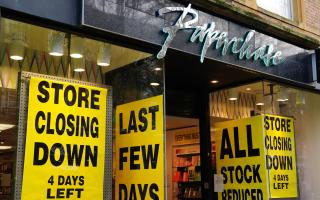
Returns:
<point x="208" y="36"/>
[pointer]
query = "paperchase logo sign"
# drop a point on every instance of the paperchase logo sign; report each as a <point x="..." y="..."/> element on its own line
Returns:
<point x="208" y="36"/>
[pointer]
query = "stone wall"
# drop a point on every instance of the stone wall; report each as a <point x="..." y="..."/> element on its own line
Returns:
<point x="312" y="16"/>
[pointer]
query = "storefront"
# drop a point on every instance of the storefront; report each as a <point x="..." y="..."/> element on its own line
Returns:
<point x="152" y="100"/>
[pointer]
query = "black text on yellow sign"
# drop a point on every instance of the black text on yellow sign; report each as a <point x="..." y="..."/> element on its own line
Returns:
<point x="280" y="156"/>
<point x="139" y="150"/>
<point x="240" y="159"/>
<point x="64" y="141"/>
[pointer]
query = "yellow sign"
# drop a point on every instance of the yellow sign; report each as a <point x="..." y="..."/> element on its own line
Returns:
<point x="140" y="150"/>
<point x="281" y="156"/>
<point x="65" y="141"/>
<point x="241" y="159"/>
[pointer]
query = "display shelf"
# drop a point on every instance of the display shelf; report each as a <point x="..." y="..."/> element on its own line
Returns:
<point x="189" y="183"/>
<point x="189" y="190"/>
<point x="197" y="166"/>
<point x="5" y="180"/>
<point x="187" y="172"/>
<point x="188" y="154"/>
<point x="5" y="196"/>
<point x="191" y="154"/>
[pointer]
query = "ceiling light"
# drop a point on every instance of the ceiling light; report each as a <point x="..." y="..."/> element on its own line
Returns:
<point x="259" y="100"/>
<point x="5" y="147"/>
<point x="76" y="47"/>
<point x="104" y="55"/>
<point x="233" y="95"/>
<point x="300" y="98"/>
<point x="214" y="81"/>
<point x="248" y="89"/>
<point x="157" y="69"/>
<point x="6" y="126"/>
<point x="154" y="84"/>
<point x="56" y="44"/>
<point x="78" y="64"/>
<point x="16" y="57"/>
<point x="76" y="55"/>
<point x="282" y="100"/>
<point x="17" y="46"/>
<point x="283" y="94"/>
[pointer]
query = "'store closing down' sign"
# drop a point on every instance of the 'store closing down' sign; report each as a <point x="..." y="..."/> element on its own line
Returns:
<point x="281" y="156"/>
<point x="256" y="157"/>
<point x="65" y="141"/>
<point x="139" y="150"/>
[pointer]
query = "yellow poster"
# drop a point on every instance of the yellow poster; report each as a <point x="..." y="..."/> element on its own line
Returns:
<point x="65" y="141"/>
<point x="281" y="156"/>
<point x="241" y="159"/>
<point x="140" y="150"/>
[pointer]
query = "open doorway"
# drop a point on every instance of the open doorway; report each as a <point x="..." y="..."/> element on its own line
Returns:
<point x="190" y="145"/>
<point x="183" y="157"/>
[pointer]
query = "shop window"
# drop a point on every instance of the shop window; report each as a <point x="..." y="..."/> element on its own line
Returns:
<point x="269" y="125"/>
<point x="133" y="76"/>
<point x="284" y="8"/>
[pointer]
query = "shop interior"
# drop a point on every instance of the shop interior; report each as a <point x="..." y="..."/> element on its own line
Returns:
<point x="233" y="94"/>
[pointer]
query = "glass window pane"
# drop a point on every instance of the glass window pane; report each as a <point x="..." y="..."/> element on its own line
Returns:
<point x="302" y="107"/>
<point x="235" y="125"/>
<point x="133" y="75"/>
<point x="280" y="7"/>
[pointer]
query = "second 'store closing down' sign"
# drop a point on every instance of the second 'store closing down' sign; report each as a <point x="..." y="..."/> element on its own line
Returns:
<point x="65" y="141"/>
<point x="281" y="156"/>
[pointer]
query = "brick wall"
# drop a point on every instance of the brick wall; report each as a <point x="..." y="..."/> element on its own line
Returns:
<point x="312" y="16"/>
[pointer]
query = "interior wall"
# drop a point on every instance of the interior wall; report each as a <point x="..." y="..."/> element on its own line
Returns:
<point x="307" y="135"/>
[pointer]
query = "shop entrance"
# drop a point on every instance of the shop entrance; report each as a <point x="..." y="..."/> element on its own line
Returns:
<point x="197" y="96"/>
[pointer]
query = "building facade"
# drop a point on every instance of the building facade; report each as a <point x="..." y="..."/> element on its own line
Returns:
<point x="161" y="99"/>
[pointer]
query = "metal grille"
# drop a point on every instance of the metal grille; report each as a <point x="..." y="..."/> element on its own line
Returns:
<point x="22" y="123"/>
<point x="107" y="193"/>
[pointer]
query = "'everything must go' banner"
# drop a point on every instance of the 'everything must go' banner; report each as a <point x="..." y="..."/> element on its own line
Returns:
<point x="65" y="141"/>
<point x="256" y="157"/>
<point x="140" y="150"/>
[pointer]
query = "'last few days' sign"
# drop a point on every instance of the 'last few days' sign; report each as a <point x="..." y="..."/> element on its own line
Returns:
<point x="65" y="141"/>
<point x="139" y="150"/>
